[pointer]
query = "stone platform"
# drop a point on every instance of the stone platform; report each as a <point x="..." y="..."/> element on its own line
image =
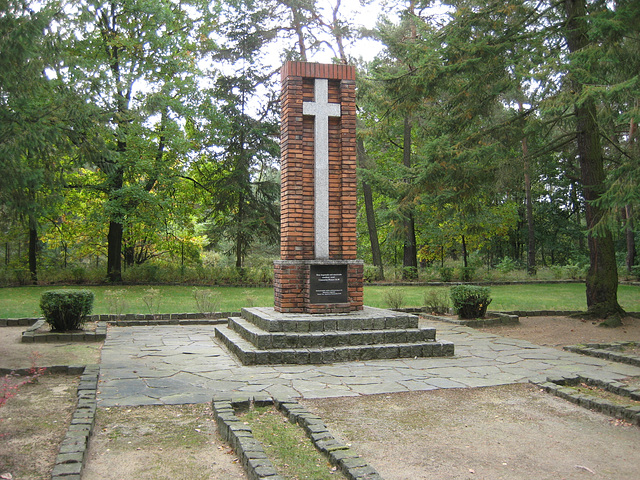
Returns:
<point x="262" y="336"/>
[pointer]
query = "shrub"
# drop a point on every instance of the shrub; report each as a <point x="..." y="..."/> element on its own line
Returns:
<point x="79" y="274"/>
<point x="207" y="301"/>
<point x="66" y="310"/>
<point x="394" y="297"/>
<point x="249" y="298"/>
<point x="573" y="270"/>
<point x="370" y="273"/>
<point x="467" y="273"/>
<point x="506" y="265"/>
<point x="446" y="274"/>
<point x="116" y="301"/>
<point x="436" y="301"/>
<point x="151" y="299"/>
<point x="557" y="271"/>
<point x="470" y="301"/>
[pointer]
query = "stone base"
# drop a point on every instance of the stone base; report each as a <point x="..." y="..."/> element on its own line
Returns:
<point x="294" y="288"/>
<point x="263" y="336"/>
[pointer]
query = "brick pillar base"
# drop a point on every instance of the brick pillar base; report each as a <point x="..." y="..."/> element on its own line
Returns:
<point x="292" y="287"/>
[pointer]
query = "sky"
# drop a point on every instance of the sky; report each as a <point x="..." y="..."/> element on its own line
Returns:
<point x="365" y="16"/>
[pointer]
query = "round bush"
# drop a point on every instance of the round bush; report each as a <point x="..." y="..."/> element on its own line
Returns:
<point x="470" y="301"/>
<point x="66" y="310"/>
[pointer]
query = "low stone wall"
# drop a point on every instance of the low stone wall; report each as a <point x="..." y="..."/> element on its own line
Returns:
<point x="495" y="318"/>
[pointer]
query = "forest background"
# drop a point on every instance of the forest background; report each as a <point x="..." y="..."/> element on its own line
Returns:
<point x="139" y="139"/>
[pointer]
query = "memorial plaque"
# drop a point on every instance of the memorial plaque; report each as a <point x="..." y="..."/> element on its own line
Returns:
<point x="328" y="284"/>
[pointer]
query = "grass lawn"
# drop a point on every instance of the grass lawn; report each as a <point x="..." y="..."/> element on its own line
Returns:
<point x="16" y="302"/>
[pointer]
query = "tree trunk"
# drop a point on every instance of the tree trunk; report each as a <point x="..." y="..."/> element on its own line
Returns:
<point x="410" y="253"/>
<point x="630" y="237"/>
<point x="114" y="252"/>
<point x="370" y="213"/>
<point x="531" y="237"/>
<point x="634" y="151"/>
<point x="465" y="263"/>
<point x="129" y="254"/>
<point x="33" y="249"/>
<point x="602" y="278"/>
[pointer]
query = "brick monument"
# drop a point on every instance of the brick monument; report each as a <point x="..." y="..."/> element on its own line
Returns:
<point x="318" y="316"/>
<point x="318" y="271"/>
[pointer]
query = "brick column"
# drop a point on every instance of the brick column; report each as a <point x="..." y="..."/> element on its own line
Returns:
<point x="295" y="283"/>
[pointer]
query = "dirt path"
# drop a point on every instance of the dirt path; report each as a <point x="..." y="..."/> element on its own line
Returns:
<point x="15" y="354"/>
<point x="33" y="423"/>
<point x="177" y="442"/>
<point x="560" y="331"/>
<point x="512" y="432"/>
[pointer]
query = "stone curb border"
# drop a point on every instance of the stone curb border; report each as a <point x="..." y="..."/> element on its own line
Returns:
<point x="560" y="387"/>
<point x="30" y="335"/>
<point x="136" y="319"/>
<point x="607" y="351"/>
<point x="503" y="319"/>
<point x="251" y="453"/>
<point x="73" y="449"/>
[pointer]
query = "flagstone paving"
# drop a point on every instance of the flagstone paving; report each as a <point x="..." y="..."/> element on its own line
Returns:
<point x="157" y="365"/>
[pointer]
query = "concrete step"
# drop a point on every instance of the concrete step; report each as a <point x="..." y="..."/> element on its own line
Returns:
<point x="273" y="340"/>
<point x="368" y="318"/>
<point x="249" y="354"/>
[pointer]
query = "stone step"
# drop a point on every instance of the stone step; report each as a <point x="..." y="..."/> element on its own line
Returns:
<point x="367" y="319"/>
<point x="249" y="354"/>
<point x="264" y="340"/>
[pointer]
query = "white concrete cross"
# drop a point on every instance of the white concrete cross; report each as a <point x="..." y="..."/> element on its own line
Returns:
<point x="321" y="109"/>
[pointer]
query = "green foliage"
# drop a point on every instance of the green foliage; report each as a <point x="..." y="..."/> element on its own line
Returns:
<point x="467" y="273"/>
<point x="470" y="301"/>
<point x="66" y="310"/>
<point x="370" y="273"/>
<point x="506" y="265"/>
<point x="446" y="274"/>
<point x="394" y="297"/>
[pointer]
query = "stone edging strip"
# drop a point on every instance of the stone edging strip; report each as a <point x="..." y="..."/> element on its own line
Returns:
<point x="560" y="387"/>
<point x="131" y="319"/>
<point x="30" y="335"/>
<point x="608" y="351"/>
<point x="251" y="453"/>
<point x="502" y="319"/>
<point x="73" y="449"/>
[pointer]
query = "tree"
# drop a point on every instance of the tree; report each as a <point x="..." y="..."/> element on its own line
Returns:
<point x="238" y="133"/>
<point x="470" y="66"/>
<point x="602" y="278"/>
<point x="137" y="62"/>
<point x="31" y="117"/>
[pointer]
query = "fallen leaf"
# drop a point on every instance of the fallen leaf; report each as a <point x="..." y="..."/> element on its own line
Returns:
<point x="587" y="469"/>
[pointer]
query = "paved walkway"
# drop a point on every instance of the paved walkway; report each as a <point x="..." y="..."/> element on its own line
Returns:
<point x="184" y="364"/>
